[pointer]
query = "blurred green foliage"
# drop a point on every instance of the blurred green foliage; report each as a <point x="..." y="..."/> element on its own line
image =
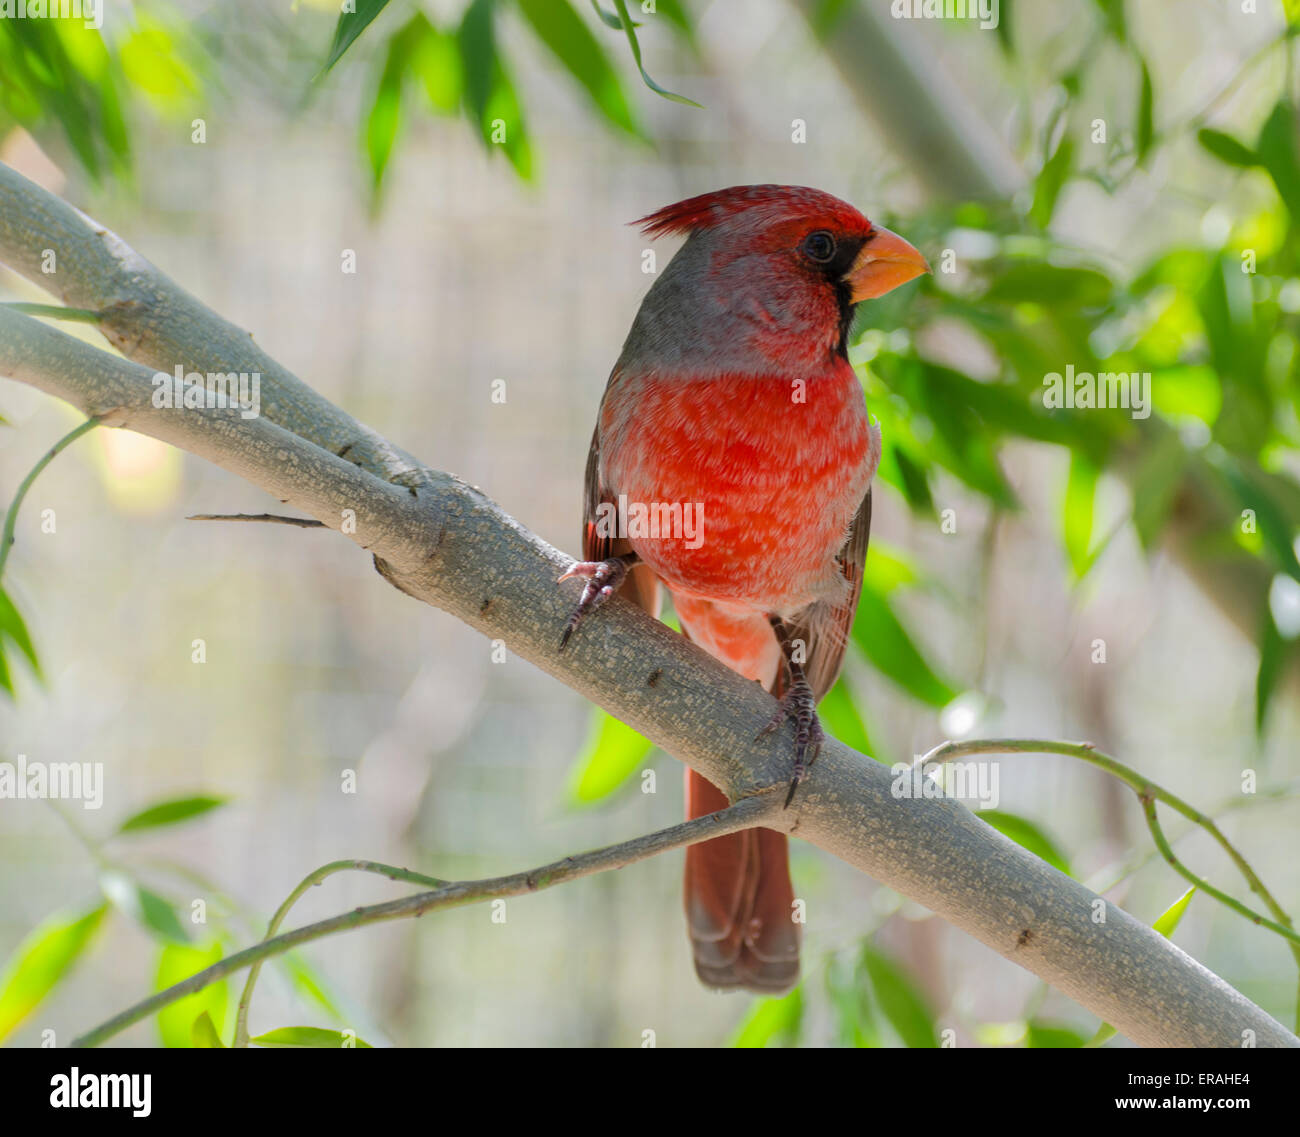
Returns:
<point x="463" y="71"/>
<point x="185" y="942"/>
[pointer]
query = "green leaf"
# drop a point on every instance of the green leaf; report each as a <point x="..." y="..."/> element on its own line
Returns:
<point x="40" y="961"/>
<point x="1077" y="514"/>
<point x="310" y="1036"/>
<point x="825" y="18"/>
<point x="154" y="61"/>
<point x="889" y="567"/>
<point x="1272" y="652"/>
<point x="1005" y="32"/>
<point x="156" y="915"/>
<point x="1226" y="148"/>
<point x="884" y="641"/>
<point x="435" y="61"/>
<point x="13" y="628"/>
<point x="969" y="451"/>
<point x="1168" y="920"/>
<point x="572" y="43"/>
<point x="839" y="715"/>
<point x="1001" y="1034"/>
<point x="1113" y="13"/>
<point x="900" y="1000"/>
<point x="772" y="1022"/>
<point x="1050" y="1036"/>
<point x="1155" y="487"/>
<point x="1050" y="181"/>
<point x="308" y="983"/>
<point x="847" y="989"/>
<point x="912" y="480"/>
<point x="629" y="30"/>
<point x="204" y="1036"/>
<point x="1027" y="835"/>
<point x="171" y="812"/>
<point x="1105" y="1033"/>
<point x="1192" y="389"/>
<point x="1277" y="149"/>
<point x="996" y="407"/>
<point x="1039" y="282"/>
<point x="1146" y="131"/>
<point x="490" y="97"/>
<point x="477" y="41"/>
<point x="46" y="80"/>
<point x="614" y="751"/>
<point x="178" y="1021"/>
<point x="1273" y="501"/>
<point x="609" y="19"/>
<point x="351" y="25"/>
<point x="385" y="114"/>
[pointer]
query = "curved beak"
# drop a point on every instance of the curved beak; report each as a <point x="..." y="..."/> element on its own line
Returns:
<point x="885" y="262"/>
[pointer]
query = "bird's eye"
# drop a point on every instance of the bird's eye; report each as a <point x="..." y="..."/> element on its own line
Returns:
<point x="819" y="246"/>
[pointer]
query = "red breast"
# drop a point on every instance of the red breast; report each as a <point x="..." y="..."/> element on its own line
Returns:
<point x="775" y="469"/>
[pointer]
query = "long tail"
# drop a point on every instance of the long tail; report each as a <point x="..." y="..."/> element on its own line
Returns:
<point x="739" y="903"/>
<point x="739" y="899"/>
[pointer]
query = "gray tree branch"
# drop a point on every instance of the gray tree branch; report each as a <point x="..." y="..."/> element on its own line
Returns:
<point x="445" y="543"/>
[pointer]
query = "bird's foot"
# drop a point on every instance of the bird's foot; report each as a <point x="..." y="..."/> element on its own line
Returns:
<point x="799" y="703"/>
<point x="603" y="580"/>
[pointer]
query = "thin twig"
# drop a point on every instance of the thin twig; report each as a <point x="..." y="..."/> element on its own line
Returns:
<point x="55" y="312"/>
<point x="308" y="882"/>
<point x="745" y="814"/>
<point x="11" y="518"/>
<point x="1270" y="795"/>
<point x="269" y="518"/>
<point x="1148" y="793"/>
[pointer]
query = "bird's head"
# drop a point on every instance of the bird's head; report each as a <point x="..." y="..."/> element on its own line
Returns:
<point x="772" y="271"/>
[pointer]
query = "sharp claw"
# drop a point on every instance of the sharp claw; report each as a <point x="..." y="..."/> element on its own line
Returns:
<point x="798" y="704"/>
<point x="603" y="579"/>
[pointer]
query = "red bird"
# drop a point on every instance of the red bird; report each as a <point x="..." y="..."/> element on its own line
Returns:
<point x="732" y="463"/>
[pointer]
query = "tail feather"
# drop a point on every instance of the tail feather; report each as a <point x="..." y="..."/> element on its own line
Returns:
<point x="739" y="903"/>
<point x="739" y="899"/>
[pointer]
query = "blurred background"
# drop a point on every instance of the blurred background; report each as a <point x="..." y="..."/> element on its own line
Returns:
<point x="1103" y="184"/>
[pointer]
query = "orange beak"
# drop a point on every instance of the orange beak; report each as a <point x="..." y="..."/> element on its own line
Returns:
<point x="885" y="262"/>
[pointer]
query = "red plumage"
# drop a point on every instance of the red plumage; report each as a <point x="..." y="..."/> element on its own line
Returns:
<point x="708" y="209"/>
